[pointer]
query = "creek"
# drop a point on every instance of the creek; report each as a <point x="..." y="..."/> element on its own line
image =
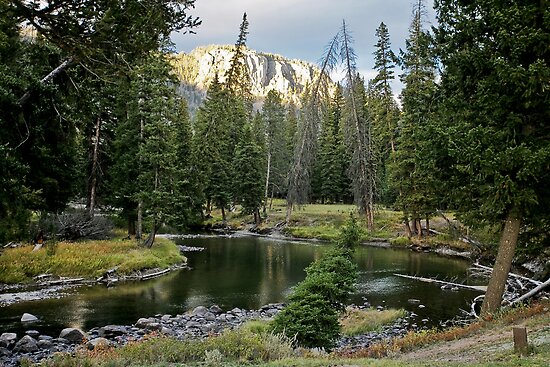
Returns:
<point x="248" y="272"/>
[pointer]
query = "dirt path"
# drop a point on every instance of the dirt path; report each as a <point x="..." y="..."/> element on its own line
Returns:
<point x="488" y="345"/>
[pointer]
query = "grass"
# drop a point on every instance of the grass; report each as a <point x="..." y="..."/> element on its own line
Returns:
<point x="356" y="322"/>
<point x="253" y="345"/>
<point x="87" y="259"/>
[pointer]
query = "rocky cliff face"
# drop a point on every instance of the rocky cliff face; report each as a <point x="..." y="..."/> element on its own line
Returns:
<point x="197" y="69"/>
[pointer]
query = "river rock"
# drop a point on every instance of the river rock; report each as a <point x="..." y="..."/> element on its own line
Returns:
<point x="73" y="335"/>
<point x="215" y="309"/>
<point x="45" y="344"/>
<point x="192" y="324"/>
<point x="98" y="343"/>
<point x="7" y="339"/>
<point x="209" y="316"/>
<point x="199" y="311"/>
<point x="27" y="317"/>
<point x="33" y="333"/>
<point x="143" y="322"/>
<point x="4" y="352"/>
<point x="26" y="344"/>
<point x="111" y="331"/>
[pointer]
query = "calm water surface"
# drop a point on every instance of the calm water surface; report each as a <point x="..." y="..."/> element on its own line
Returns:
<point x="248" y="272"/>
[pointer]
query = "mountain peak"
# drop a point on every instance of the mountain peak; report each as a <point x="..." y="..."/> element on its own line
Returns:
<point x="196" y="70"/>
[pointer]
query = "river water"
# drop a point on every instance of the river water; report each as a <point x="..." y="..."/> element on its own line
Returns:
<point x="248" y="272"/>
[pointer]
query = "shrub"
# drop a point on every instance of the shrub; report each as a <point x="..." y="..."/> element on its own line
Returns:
<point x="311" y="320"/>
<point x="312" y="314"/>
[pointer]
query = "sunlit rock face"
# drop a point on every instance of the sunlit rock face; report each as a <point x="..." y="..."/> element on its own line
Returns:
<point x="197" y="69"/>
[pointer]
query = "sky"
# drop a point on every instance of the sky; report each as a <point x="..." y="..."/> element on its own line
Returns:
<point x="300" y="29"/>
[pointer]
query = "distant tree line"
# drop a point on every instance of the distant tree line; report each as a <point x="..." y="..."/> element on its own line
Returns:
<point x="90" y="111"/>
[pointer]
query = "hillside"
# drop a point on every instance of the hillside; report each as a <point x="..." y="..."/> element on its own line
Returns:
<point x="197" y="69"/>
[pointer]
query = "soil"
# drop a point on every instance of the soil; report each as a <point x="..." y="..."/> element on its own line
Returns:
<point x="488" y="345"/>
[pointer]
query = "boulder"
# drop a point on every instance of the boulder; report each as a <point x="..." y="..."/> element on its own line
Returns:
<point x="209" y="316"/>
<point x="33" y="333"/>
<point x="73" y="335"/>
<point x="7" y="339"/>
<point x="26" y="344"/>
<point x="45" y="344"/>
<point x="143" y="322"/>
<point x="199" y="311"/>
<point x="4" y="352"/>
<point x="27" y="317"/>
<point x="111" y="331"/>
<point x="98" y="343"/>
<point x="215" y="309"/>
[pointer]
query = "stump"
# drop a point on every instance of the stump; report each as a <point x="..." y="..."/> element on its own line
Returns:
<point x="520" y="340"/>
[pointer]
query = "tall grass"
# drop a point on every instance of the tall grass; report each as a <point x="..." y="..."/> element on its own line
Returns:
<point x="86" y="259"/>
<point x="356" y="322"/>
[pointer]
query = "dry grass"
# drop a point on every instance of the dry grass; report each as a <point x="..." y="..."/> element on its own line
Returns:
<point x="356" y="322"/>
<point x="85" y="259"/>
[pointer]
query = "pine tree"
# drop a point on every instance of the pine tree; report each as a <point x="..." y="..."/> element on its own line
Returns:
<point x="237" y="78"/>
<point x="495" y="115"/>
<point x="276" y="146"/>
<point x="249" y="186"/>
<point x="412" y="173"/>
<point x="212" y="145"/>
<point x="383" y="108"/>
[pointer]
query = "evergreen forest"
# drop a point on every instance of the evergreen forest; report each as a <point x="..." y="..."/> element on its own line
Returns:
<point x="91" y="118"/>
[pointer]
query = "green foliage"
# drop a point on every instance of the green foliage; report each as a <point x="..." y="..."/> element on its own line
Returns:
<point x="411" y="171"/>
<point x="248" y="163"/>
<point x="311" y="317"/>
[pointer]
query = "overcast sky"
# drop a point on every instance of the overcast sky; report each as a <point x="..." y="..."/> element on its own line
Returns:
<point x="300" y="29"/>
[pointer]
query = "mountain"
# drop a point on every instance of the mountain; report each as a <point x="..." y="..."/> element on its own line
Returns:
<point x="196" y="71"/>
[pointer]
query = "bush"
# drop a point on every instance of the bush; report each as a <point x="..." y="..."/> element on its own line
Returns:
<point x="76" y="225"/>
<point x="311" y="317"/>
<point x="311" y="320"/>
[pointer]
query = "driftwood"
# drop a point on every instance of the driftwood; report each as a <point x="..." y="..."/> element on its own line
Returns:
<point x="518" y="287"/>
<point x="479" y="288"/>
<point x="531" y="293"/>
<point x="154" y="275"/>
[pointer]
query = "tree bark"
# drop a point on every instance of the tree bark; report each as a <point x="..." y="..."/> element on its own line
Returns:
<point x="267" y="182"/>
<point x="93" y="173"/>
<point x="224" y="217"/>
<point x="139" y="225"/>
<point x="64" y="65"/>
<point x="506" y="250"/>
<point x="428" y="226"/>
<point x="408" y="227"/>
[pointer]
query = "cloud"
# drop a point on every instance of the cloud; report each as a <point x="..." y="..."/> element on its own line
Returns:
<point x="300" y="29"/>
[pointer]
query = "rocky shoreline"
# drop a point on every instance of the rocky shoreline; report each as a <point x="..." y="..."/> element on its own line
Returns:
<point x="201" y="322"/>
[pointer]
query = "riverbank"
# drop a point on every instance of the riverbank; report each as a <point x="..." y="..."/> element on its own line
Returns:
<point x="65" y="264"/>
<point x="153" y="342"/>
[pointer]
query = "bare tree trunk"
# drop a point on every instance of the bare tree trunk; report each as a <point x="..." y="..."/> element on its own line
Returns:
<point x="271" y="201"/>
<point x="150" y="240"/>
<point x="139" y="225"/>
<point x="95" y="166"/>
<point x="267" y="182"/>
<point x="288" y="212"/>
<point x="428" y="226"/>
<point x="64" y="65"/>
<point x="224" y="217"/>
<point x="418" y="225"/>
<point x="131" y="226"/>
<point x="408" y="227"/>
<point x="506" y="250"/>
<point x="257" y="218"/>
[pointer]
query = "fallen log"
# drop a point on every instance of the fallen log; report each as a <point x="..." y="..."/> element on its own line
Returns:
<point x="510" y="274"/>
<point x="154" y="275"/>
<point x="479" y="288"/>
<point x="531" y="293"/>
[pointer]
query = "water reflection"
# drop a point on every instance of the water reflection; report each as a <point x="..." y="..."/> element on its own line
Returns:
<point x="248" y="273"/>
